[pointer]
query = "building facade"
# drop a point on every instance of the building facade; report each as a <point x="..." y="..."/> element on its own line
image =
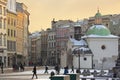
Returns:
<point x="44" y="45"/>
<point x="22" y="27"/>
<point x="52" y="58"/>
<point x="98" y="18"/>
<point x="11" y="33"/>
<point x="115" y="27"/>
<point x="3" y="32"/>
<point x="35" y="48"/>
<point x="19" y="33"/>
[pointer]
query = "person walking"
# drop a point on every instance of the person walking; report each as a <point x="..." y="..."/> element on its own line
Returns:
<point x="34" y="72"/>
<point x="66" y="70"/>
<point x="2" y="68"/>
<point x="57" y="69"/>
<point x="46" y="69"/>
<point x="21" y="67"/>
<point x="72" y="69"/>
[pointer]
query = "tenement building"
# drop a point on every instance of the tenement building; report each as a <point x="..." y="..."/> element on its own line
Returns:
<point x="3" y="33"/>
<point x="11" y="32"/>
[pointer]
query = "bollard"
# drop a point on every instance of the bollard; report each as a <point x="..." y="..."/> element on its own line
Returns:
<point x="74" y="76"/>
<point x="83" y="78"/>
<point x="52" y="74"/>
<point x="78" y="71"/>
<point x="60" y="77"/>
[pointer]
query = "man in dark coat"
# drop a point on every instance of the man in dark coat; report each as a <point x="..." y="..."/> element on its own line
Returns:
<point x="66" y="70"/>
<point x="21" y="67"/>
<point x="57" y="69"/>
<point x="72" y="69"/>
<point x="2" y="67"/>
<point x="34" y="72"/>
<point x="46" y="69"/>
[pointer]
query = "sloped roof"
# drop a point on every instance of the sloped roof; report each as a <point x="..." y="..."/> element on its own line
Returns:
<point x="76" y="42"/>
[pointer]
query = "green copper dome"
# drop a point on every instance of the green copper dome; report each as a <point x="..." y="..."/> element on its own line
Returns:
<point x="99" y="30"/>
<point x="98" y="14"/>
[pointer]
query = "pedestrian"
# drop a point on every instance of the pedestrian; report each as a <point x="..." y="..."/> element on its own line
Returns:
<point x="78" y="71"/>
<point x="46" y="69"/>
<point x="34" y="72"/>
<point x="21" y="67"/>
<point x="95" y="73"/>
<point x="66" y="70"/>
<point x="72" y="69"/>
<point x="2" y="67"/>
<point x="57" y="69"/>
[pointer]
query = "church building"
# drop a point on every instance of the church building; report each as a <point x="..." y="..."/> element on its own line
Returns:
<point x="99" y="51"/>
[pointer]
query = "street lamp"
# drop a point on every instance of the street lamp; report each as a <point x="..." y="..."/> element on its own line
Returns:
<point x="57" y="56"/>
<point x="79" y="58"/>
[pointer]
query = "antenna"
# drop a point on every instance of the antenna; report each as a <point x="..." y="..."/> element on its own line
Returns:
<point x="98" y="9"/>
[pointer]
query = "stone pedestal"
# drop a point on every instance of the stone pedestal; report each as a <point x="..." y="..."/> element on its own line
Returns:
<point x="116" y="69"/>
<point x="74" y="76"/>
<point x="60" y="77"/>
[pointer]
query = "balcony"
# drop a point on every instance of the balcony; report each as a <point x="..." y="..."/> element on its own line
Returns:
<point x="3" y="2"/>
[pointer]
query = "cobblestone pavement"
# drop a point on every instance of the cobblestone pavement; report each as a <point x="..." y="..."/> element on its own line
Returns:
<point x="26" y="77"/>
<point x="10" y="70"/>
<point x="10" y="75"/>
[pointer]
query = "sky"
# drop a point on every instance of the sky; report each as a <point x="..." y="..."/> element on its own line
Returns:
<point x="42" y="12"/>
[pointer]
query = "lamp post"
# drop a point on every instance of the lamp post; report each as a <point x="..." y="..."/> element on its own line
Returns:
<point x="79" y="59"/>
<point x="57" y="56"/>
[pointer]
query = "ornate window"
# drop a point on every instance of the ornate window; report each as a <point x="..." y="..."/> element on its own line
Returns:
<point x="4" y="23"/>
<point x="4" y="40"/>
<point x="11" y="33"/>
<point x="8" y="32"/>
<point x="0" y="40"/>
<point x="0" y="9"/>
<point x="0" y="23"/>
<point x="4" y="11"/>
<point x="8" y="21"/>
<point x="14" y="33"/>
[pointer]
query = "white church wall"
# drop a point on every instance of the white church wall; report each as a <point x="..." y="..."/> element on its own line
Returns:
<point x="111" y="49"/>
<point x="83" y="63"/>
<point x="109" y="62"/>
<point x="86" y="63"/>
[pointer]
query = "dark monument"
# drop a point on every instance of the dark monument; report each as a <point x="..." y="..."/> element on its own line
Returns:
<point x="116" y="69"/>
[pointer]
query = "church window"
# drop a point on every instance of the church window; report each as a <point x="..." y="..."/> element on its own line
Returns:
<point x="85" y="58"/>
<point x="103" y="47"/>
